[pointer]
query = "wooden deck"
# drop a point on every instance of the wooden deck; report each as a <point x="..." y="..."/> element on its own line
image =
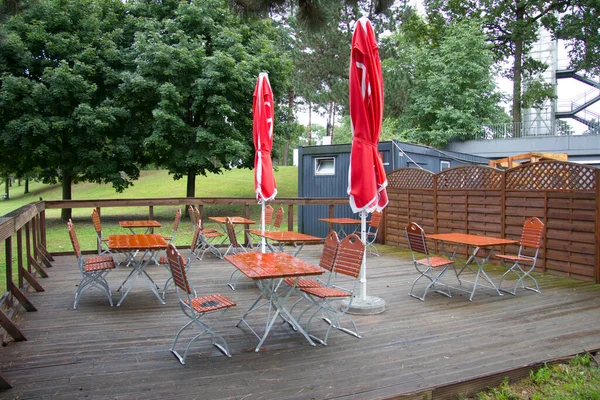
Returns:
<point x="106" y="352"/>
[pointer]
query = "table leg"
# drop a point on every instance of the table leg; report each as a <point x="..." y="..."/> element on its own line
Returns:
<point x="139" y="269"/>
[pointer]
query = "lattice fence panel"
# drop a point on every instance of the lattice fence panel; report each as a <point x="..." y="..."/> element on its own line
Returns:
<point x="552" y="175"/>
<point x="410" y="178"/>
<point x="469" y="177"/>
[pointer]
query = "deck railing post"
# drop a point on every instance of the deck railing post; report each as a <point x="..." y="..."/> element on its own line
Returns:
<point x="290" y="217"/>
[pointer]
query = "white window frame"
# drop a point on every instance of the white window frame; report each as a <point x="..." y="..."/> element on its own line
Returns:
<point x="328" y="171"/>
<point x="444" y="165"/>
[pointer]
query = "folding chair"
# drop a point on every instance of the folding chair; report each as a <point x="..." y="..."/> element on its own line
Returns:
<point x="235" y="247"/>
<point x="426" y="266"/>
<point x="206" y="242"/>
<point x="93" y="269"/>
<point x="330" y="248"/>
<point x="194" y="307"/>
<point x="171" y="238"/>
<point x="102" y="242"/>
<point x="277" y="227"/>
<point x="531" y="241"/>
<point x="165" y="261"/>
<point x="372" y="230"/>
<point x="347" y="263"/>
<point x="268" y="222"/>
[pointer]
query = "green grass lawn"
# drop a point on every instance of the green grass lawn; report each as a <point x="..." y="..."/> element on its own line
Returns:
<point x="152" y="184"/>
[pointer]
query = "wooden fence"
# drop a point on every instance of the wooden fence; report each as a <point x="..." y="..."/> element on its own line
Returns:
<point x="483" y="200"/>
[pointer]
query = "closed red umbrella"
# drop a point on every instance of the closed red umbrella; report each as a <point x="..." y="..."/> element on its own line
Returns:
<point x="262" y="132"/>
<point x="366" y="179"/>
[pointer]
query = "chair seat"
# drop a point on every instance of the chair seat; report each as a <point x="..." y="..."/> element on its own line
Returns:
<point x="100" y="266"/>
<point x="211" y="234"/>
<point x="303" y="283"/>
<point x="98" y="259"/>
<point x="167" y="238"/>
<point x="211" y="303"/>
<point x="510" y="257"/>
<point x="325" y="292"/>
<point x="435" y="261"/>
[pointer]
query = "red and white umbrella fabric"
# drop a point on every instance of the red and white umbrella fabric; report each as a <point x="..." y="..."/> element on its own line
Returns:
<point x="366" y="178"/>
<point x="262" y="132"/>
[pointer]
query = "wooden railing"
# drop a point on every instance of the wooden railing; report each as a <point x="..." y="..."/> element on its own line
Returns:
<point x="27" y="226"/>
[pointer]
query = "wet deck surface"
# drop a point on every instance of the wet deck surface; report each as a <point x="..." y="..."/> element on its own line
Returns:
<point x="105" y="352"/>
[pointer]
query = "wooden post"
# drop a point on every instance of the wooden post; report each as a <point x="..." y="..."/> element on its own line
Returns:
<point x="150" y="212"/>
<point x="331" y="215"/>
<point x="8" y="254"/>
<point x="20" y="256"/>
<point x="290" y="217"/>
<point x="28" y="245"/>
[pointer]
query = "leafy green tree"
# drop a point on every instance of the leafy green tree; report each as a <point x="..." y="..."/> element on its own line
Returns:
<point x="196" y="66"/>
<point x="56" y="107"/>
<point x="513" y="27"/>
<point x="452" y="91"/>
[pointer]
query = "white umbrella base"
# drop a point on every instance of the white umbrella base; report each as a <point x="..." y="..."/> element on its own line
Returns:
<point x="370" y="306"/>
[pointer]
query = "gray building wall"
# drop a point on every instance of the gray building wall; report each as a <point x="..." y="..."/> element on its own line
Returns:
<point x="583" y="149"/>
<point x="395" y="155"/>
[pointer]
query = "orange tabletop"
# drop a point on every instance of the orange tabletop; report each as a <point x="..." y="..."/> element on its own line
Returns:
<point x="140" y="224"/>
<point x="341" y="221"/>
<point x="286" y="236"/>
<point x="257" y="265"/>
<point x="470" y="240"/>
<point x="235" y="220"/>
<point x="136" y="242"/>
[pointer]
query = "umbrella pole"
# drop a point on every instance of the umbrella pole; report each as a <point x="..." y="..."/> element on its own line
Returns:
<point x="263" y="241"/>
<point x="363" y="270"/>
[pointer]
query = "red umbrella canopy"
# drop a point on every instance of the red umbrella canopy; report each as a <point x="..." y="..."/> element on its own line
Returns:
<point x="262" y="131"/>
<point x="366" y="179"/>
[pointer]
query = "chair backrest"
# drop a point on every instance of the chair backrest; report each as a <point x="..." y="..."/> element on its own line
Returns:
<point x="375" y="219"/>
<point x="268" y="215"/>
<point x="193" y="215"/>
<point x="330" y="248"/>
<point x="533" y="232"/>
<point x="177" y="267"/>
<point x="97" y="224"/>
<point x="278" y="218"/>
<point x="74" y="240"/>
<point x="177" y="220"/>
<point x="349" y="258"/>
<point x="196" y="237"/>
<point x="416" y="238"/>
<point x="231" y="233"/>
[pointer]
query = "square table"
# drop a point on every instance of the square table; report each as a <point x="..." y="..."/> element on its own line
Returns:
<point x="341" y="222"/>
<point x="283" y="237"/>
<point x="130" y="245"/>
<point x="147" y="224"/>
<point x="477" y="242"/>
<point x="235" y="221"/>
<point x="267" y="270"/>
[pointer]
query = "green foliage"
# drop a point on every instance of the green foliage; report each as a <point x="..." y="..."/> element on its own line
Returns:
<point x="577" y="379"/>
<point x="197" y="65"/>
<point x="448" y="81"/>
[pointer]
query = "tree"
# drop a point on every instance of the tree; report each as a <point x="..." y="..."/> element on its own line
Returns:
<point x="451" y="91"/>
<point x="513" y="26"/>
<point x="56" y="103"/>
<point x="196" y="66"/>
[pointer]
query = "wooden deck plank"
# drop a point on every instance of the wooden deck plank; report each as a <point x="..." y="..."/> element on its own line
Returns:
<point x="99" y="351"/>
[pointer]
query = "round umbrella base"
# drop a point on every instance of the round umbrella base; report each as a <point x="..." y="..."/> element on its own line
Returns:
<point x="370" y="306"/>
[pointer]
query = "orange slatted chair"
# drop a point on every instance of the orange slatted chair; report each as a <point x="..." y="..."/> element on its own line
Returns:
<point x="194" y="307"/>
<point x="347" y="264"/>
<point x="326" y="262"/>
<point x="235" y="247"/>
<point x="428" y="265"/>
<point x="102" y="242"/>
<point x="93" y="269"/>
<point x="529" y="247"/>
<point x="372" y="230"/>
<point x="278" y="219"/>
<point x="171" y="238"/>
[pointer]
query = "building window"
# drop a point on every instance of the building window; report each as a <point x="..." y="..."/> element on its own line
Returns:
<point x="382" y="155"/>
<point x="325" y="166"/>
<point x="444" y="165"/>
